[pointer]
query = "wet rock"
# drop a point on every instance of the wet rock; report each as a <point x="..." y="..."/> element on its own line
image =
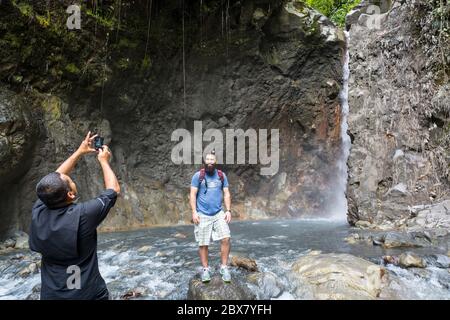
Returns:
<point x="268" y="283"/>
<point x="164" y="253"/>
<point x="363" y="224"/>
<point x="409" y="259"/>
<point x="29" y="270"/>
<point x="397" y="240"/>
<point x="436" y="216"/>
<point x="439" y="260"/>
<point x="216" y="289"/>
<point x="131" y="272"/>
<point x="180" y="235"/>
<point x="377" y="239"/>
<point x="35" y="293"/>
<point x="115" y="289"/>
<point x="19" y="256"/>
<point x="9" y="243"/>
<point x="340" y="277"/>
<point x="4" y="250"/>
<point x="390" y="260"/>
<point x="353" y="238"/>
<point x="244" y="262"/>
<point x="133" y="294"/>
<point x="21" y="240"/>
<point x="144" y="249"/>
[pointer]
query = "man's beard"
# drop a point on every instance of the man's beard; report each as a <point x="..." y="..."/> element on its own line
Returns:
<point x="210" y="168"/>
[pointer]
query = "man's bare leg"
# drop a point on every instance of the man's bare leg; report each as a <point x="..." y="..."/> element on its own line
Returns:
<point x="225" y="250"/>
<point x="203" y="252"/>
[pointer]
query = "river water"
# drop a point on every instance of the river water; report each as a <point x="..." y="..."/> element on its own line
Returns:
<point x="161" y="261"/>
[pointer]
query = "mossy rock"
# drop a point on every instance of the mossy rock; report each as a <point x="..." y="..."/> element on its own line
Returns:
<point x="52" y="108"/>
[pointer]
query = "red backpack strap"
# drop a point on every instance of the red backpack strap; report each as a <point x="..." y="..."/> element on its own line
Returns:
<point x="201" y="178"/>
<point x="221" y="177"/>
<point x="202" y="175"/>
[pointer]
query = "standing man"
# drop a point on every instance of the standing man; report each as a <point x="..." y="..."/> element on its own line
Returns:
<point x="65" y="232"/>
<point x="210" y="220"/>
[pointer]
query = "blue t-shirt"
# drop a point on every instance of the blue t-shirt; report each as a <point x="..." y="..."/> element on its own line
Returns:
<point x="209" y="203"/>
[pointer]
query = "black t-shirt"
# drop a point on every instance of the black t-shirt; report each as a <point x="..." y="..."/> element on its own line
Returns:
<point x="67" y="239"/>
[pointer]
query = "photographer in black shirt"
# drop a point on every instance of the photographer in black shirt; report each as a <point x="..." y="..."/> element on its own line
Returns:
<point x="65" y="232"/>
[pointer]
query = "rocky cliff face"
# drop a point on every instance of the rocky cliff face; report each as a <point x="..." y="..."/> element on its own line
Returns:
<point x="399" y="113"/>
<point x="252" y="64"/>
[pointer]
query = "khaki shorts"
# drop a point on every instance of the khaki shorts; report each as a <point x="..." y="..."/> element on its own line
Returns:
<point x="214" y="226"/>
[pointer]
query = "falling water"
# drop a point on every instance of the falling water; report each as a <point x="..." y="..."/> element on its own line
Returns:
<point x="340" y="207"/>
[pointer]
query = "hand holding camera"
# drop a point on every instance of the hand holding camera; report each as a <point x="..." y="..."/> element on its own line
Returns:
<point x="104" y="154"/>
<point x="98" y="143"/>
<point x="86" y="145"/>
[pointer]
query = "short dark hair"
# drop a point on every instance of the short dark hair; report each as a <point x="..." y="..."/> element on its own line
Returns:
<point x="52" y="190"/>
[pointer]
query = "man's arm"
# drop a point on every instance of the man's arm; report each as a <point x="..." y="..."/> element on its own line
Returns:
<point x="227" y="200"/>
<point x="109" y="177"/>
<point x="193" y="202"/>
<point x="96" y="210"/>
<point x="86" y="147"/>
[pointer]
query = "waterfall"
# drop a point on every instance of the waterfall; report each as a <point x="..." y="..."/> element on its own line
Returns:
<point x="340" y="207"/>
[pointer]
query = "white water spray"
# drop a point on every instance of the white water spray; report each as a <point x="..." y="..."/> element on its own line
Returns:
<point x="341" y="206"/>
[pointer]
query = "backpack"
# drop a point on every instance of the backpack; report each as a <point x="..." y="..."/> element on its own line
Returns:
<point x="202" y="177"/>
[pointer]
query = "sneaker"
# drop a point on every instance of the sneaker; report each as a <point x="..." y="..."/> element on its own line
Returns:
<point x="225" y="272"/>
<point x="206" y="277"/>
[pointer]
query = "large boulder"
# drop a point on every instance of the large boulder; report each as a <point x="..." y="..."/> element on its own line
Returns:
<point x="398" y="239"/>
<point x="337" y="276"/>
<point x="244" y="262"/>
<point x="216" y="289"/>
<point x="410" y="259"/>
<point x="434" y="216"/>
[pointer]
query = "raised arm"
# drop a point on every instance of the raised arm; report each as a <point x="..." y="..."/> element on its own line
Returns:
<point x="85" y="147"/>
<point x="111" y="182"/>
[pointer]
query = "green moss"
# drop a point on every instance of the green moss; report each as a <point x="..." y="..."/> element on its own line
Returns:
<point x="336" y="10"/>
<point x="24" y="8"/>
<point x="52" y="108"/>
<point x="72" y="68"/>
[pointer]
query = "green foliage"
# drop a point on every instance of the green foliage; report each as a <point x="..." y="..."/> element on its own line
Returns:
<point x="105" y="19"/>
<point x="146" y="63"/>
<point x="44" y="21"/>
<point x="323" y="6"/>
<point x="24" y="8"/>
<point x="72" y="68"/>
<point x="336" y="10"/>
<point x="339" y="14"/>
